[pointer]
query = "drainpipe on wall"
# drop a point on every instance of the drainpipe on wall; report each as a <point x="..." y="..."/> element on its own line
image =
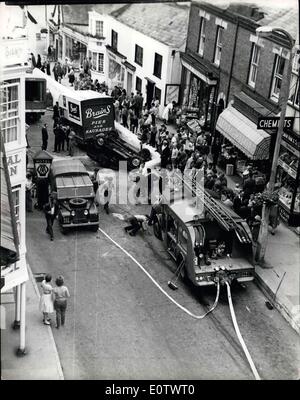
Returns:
<point x="232" y="63"/>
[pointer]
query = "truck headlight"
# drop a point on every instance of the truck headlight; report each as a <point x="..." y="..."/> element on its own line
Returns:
<point x="135" y="162"/>
<point x="73" y="213"/>
<point x="85" y="212"/>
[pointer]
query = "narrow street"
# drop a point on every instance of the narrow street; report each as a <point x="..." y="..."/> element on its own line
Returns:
<point x="119" y="325"/>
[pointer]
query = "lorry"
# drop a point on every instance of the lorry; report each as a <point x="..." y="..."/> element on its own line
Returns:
<point x="91" y="116"/>
<point x="71" y="182"/>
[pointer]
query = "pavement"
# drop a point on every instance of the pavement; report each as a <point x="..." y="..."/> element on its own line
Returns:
<point x="41" y="361"/>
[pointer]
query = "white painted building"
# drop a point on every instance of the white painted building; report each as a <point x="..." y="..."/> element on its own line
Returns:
<point x="13" y="65"/>
<point x="136" y="54"/>
<point x="127" y="47"/>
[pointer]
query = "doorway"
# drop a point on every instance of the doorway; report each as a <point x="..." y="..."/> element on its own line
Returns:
<point x="129" y="82"/>
<point x="149" y="92"/>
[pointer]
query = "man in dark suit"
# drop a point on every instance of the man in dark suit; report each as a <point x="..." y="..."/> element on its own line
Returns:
<point x="51" y="211"/>
<point x="44" y="137"/>
<point x="165" y="154"/>
<point x="249" y="185"/>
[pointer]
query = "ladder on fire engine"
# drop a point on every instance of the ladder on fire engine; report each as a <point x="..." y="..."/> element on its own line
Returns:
<point x="217" y="211"/>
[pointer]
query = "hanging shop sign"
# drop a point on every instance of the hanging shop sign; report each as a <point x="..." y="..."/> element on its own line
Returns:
<point x="273" y="122"/>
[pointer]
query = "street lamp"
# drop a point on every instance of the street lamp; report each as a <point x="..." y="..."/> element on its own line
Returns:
<point x="265" y="31"/>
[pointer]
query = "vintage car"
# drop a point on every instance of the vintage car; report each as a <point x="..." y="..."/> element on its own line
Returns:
<point x="75" y="194"/>
<point x="108" y="149"/>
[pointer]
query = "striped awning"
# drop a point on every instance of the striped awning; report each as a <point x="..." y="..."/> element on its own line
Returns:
<point x="9" y="249"/>
<point x="243" y="134"/>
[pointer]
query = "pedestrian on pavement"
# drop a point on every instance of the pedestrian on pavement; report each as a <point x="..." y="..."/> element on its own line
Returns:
<point x="28" y="188"/>
<point x="56" y="138"/>
<point x="165" y="154"/>
<point x="44" y="137"/>
<point x="33" y="60"/>
<point x="71" y="76"/>
<point x="106" y="188"/>
<point x="216" y="150"/>
<point x="137" y="222"/>
<point x="51" y="211"/>
<point x="72" y="141"/>
<point x="60" y="296"/>
<point x="55" y="71"/>
<point x="56" y="112"/>
<point x="124" y="113"/>
<point x="67" y="136"/>
<point x="48" y="69"/>
<point x="167" y="111"/>
<point x="61" y="138"/>
<point x="39" y="62"/>
<point x="46" y="300"/>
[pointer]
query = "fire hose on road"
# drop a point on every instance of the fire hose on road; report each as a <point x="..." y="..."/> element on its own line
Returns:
<point x="241" y="340"/>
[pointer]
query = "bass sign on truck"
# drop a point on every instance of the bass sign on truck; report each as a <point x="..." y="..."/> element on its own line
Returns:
<point x="88" y="113"/>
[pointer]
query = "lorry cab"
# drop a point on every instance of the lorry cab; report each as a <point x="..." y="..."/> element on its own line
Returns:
<point x="75" y="194"/>
<point x="196" y="241"/>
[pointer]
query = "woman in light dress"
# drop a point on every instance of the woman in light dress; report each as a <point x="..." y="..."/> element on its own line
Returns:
<point x="46" y="301"/>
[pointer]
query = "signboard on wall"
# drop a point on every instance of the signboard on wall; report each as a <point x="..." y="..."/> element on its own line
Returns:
<point x="74" y="111"/>
<point x="171" y="93"/>
<point x="273" y="122"/>
<point x="98" y="117"/>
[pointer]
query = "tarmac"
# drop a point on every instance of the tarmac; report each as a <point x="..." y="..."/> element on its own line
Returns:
<point x="278" y="278"/>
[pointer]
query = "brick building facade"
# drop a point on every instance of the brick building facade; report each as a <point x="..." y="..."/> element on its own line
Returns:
<point x="231" y="76"/>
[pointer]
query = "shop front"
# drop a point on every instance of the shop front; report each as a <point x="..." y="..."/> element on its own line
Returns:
<point x="288" y="174"/>
<point x="116" y="69"/>
<point x="245" y="147"/>
<point x="198" y="92"/>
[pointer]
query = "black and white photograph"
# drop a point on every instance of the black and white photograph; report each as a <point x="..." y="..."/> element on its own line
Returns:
<point x="150" y="193"/>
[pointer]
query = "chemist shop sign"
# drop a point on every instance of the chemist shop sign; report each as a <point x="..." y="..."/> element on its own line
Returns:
<point x="273" y="122"/>
<point x="98" y="118"/>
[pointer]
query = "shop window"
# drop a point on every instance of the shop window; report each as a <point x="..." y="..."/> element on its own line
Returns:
<point x="219" y="44"/>
<point x="202" y="36"/>
<point x="138" y="84"/>
<point x="294" y="87"/>
<point x="100" y="62"/>
<point x="157" y="94"/>
<point x="99" y="28"/>
<point x="9" y="100"/>
<point x="114" y="39"/>
<point x="94" y="61"/>
<point x="138" y="58"/>
<point x="254" y="65"/>
<point x="277" y="77"/>
<point x="16" y="201"/>
<point x="157" y="65"/>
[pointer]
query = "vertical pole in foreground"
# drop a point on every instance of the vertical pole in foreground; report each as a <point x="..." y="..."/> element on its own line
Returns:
<point x="21" y="350"/>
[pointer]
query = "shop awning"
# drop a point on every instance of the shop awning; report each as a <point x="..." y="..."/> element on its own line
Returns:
<point x="9" y="249"/>
<point x="242" y="133"/>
